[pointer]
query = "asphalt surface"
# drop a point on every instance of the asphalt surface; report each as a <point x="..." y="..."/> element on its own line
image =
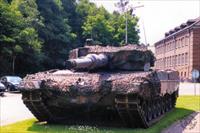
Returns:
<point x="12" y="109"/>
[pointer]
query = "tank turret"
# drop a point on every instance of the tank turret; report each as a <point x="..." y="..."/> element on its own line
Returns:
<point x="130" y="57"/>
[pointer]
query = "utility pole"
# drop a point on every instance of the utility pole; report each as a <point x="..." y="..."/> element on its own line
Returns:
<point x="126" y="36"/>
<point x="122" y="5"/>
<point x="130" y="8"/>
<point x="124" y="8"/>
<point x="145" y="38"/>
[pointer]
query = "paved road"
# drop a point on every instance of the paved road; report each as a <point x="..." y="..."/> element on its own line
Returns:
<point x="12" y="109"/>
<point x="189" y="89"/>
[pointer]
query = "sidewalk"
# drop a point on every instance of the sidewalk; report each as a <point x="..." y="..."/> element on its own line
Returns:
<point x="190" y="124"/>
<point x="189" y="89"/>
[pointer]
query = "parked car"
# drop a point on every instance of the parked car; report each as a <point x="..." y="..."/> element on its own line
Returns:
<point x="11" y="82"/>
<point x="2" y="89"/>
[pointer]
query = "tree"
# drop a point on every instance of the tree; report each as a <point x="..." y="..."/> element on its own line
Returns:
<point x="29" y="10"/>
<point x="56" y="33"/>
<point x="118" y="23"/>
<point x="16" y="38"/>
<point x="107" y="28"/>
<point x="130" y="21"/>
<point x="97" y="26"/>
<point x="84" y="8"/>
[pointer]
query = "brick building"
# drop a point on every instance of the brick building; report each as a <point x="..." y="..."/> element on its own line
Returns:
<point x="180" y="49"/>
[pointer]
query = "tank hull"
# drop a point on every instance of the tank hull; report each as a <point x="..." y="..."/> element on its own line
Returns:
<point x="112" y="103"/>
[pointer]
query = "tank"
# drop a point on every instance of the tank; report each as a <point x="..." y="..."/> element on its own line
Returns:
<point x="109" y="86"/>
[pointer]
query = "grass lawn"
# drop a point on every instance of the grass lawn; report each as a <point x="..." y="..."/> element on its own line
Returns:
<point x="185" y="105"/>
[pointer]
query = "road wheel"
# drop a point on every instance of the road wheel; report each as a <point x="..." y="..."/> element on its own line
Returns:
<point x="162" y="103"/>
<point x="149" y="113"/>
<point x="145" y="110"/>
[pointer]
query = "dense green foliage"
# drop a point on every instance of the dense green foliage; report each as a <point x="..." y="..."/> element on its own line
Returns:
<point x="38" y="34"/>
<point x="185" y="106"/>
<point x="19" y="42"/>
<point x="56" y="33"/>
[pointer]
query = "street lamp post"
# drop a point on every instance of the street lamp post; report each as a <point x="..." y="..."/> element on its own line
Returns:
<point x="126" y="36"/>
<point x="125" y="7"/>
<point x="129" y="8"/>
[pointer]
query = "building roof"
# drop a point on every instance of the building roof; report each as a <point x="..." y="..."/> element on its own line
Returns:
<point x="190" y="23"/>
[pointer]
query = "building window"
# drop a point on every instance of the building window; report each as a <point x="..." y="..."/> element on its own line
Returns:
<point x="182" y="42"/>
<point x="186" y="58"/>
<point x="179" y="59"/>
<point x="181" y="74"/>
<point x="174" y="45"/>
<point x="175" y="60"/>
<point x="177" y="43"/>
<point x="164" y="62"/>
<point x="167" y="46"/>
<point x="183" y="61"/>
<point x="187" y="40"/>
<point x="171" y="58"/>
<point x="168" y="60"/>
<point x="171" y="61"/>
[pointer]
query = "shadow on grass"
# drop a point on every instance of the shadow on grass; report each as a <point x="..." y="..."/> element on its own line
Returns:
<point x="167" y="120"/>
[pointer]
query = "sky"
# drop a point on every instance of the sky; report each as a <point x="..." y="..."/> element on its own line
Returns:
<point x="158" y="16"/>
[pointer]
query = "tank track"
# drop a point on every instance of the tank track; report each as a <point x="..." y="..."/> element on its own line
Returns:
<point x="35" y="103"/>
<point x="132" y="110"/>
<point x="136" y="112"/>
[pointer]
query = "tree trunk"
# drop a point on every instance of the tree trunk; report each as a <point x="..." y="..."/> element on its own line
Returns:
<point x="13" y="64"/>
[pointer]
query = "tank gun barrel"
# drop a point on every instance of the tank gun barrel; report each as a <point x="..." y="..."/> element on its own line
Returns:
<point x="89" y="61"/>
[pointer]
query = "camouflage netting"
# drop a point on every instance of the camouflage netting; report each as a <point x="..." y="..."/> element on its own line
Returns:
<point x="82" y="51"/>
<point x="132" y="60"/>
<point x="112" y="49"/>
<point x="91" y="83"/>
